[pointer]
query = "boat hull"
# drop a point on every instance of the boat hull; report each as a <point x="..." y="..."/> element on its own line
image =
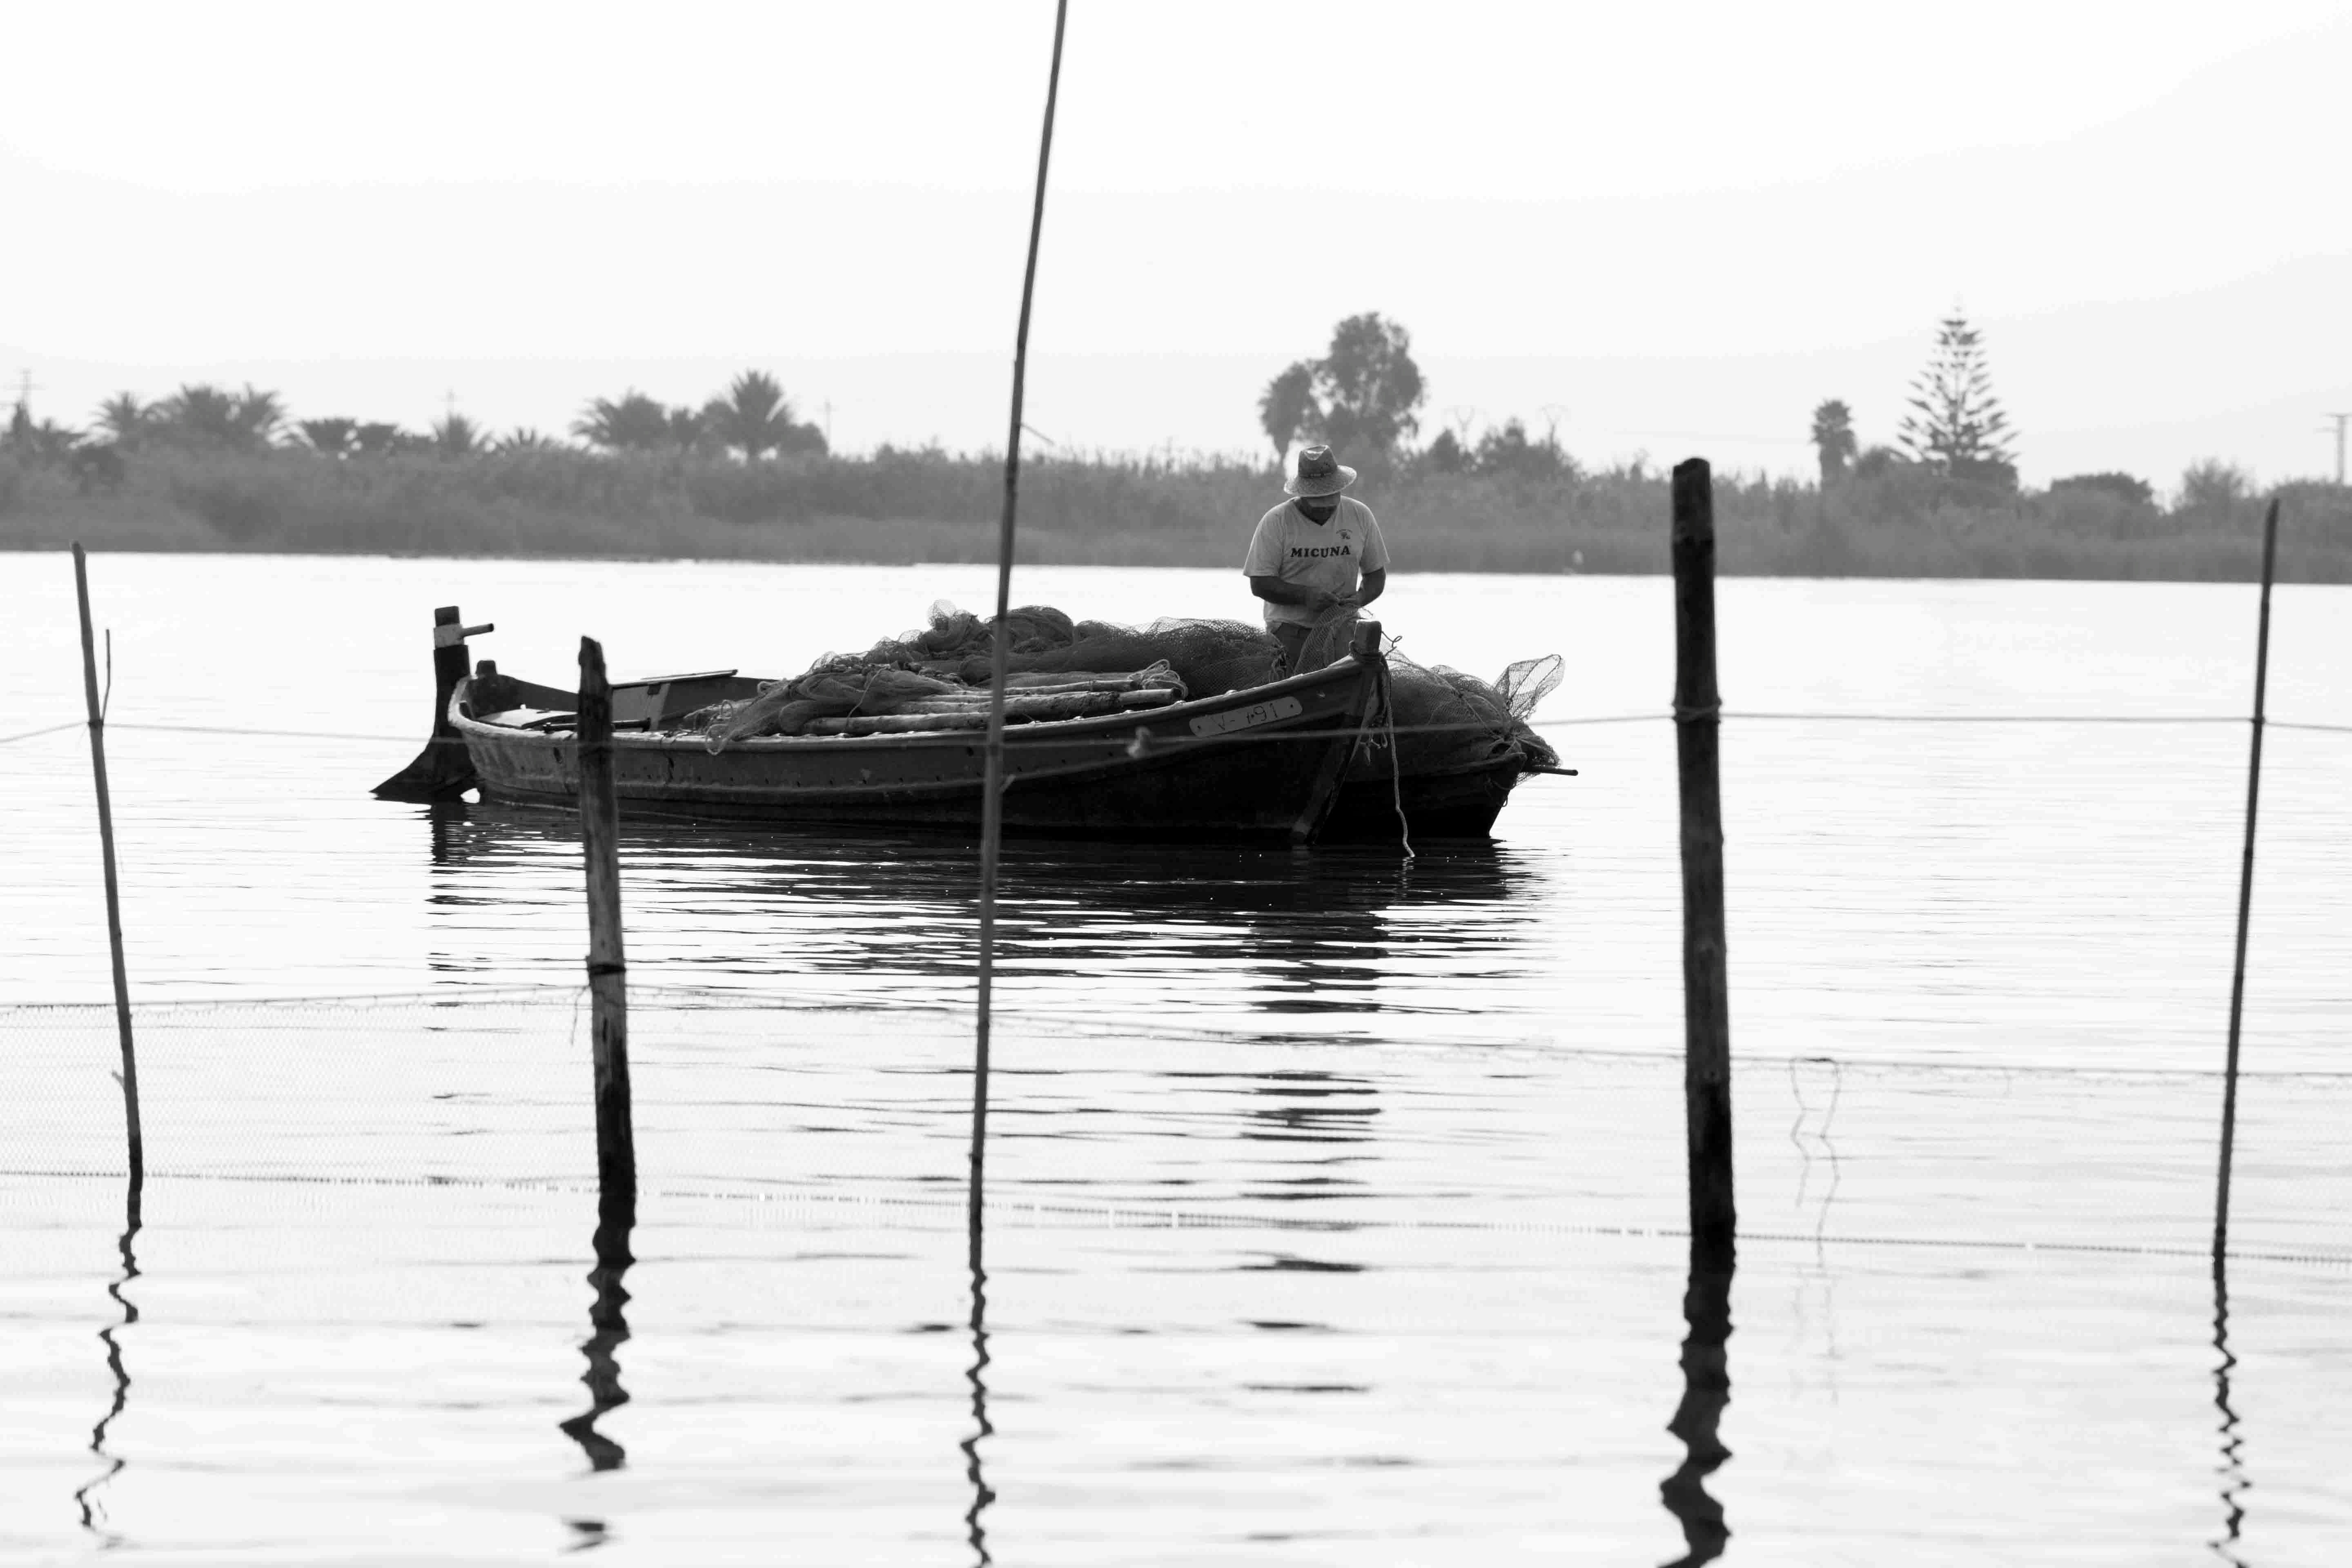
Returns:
<point x="1263" y="764"/>
<point x="1462" y="804"/>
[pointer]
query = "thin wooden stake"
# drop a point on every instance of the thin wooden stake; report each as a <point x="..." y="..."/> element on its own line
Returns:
<point x="2245" y="888"/>
<point x="1707" y="998"/>
<point x="600" y="832"/>
<point x="992" y="808"/>
<point x="130" y="1074"/>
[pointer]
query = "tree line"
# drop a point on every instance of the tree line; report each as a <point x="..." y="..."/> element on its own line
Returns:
<point x="1363" y="396"/>
<point x="752" y="418"/>
<point x="1954" y="427"/>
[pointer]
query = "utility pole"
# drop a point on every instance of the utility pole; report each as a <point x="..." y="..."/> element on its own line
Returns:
<point x="2341" y="420"/>
<point x="1553" y="414"/>
<point x="20" y="423"/>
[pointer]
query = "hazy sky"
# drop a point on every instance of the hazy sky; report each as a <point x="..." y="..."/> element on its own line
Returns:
<point x="1677" y="227"/>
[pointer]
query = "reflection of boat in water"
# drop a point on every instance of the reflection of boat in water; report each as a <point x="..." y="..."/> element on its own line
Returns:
<point x="1260" y="762"/>
<point x="1266" y="929"/>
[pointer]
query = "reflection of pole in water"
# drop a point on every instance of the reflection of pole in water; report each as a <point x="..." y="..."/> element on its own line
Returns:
<point x="1706" y="1391"/>
<point x="2232" y="1469"/>
<point x="92" y="1510"/>
<point x="446" y="826"/>
<point x="609" y="1330"/>
<point x="1807" y="1137"/>
<point x="1804" y="1138"/>
<point x="981" y="1496"/>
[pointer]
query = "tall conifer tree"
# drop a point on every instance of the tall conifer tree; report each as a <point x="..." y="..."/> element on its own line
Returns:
<point x="1956" y="426"/>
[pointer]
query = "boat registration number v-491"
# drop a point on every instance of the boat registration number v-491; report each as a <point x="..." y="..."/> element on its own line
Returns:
<point x="1256" y="713"/>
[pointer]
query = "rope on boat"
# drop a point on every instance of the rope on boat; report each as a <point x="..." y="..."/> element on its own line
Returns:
<point x="1396" y="766"/>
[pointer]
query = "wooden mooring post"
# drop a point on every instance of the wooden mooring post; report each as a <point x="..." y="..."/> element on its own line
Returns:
<point x="130" y="1074"/>
<point x="600" y="832"/>
<point x="1706" y="1027"/>
<point x="1707" y="1001"/>
<point x="2245" y="890"/>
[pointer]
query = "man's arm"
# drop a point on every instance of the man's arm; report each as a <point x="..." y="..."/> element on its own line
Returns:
<point x="1375" y="580"/>
<point x="1274" y="590"/>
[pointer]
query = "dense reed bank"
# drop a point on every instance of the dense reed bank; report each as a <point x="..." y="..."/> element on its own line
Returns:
<point x="908" y="506"/>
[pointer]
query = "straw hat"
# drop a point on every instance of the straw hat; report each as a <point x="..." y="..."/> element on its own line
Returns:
<point x="1320" y="474"/>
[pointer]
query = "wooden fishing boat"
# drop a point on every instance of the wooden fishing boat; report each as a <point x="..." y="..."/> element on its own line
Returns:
<point x="1262" y="762"/>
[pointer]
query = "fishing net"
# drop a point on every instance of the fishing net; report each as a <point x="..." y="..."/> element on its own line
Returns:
<point x="1208" y="657"/>
<point x="838" y="687"/>
<point x="1445" y="719"/>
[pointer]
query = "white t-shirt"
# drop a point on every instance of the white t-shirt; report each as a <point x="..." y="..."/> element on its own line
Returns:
<point x="1292" y="546"/>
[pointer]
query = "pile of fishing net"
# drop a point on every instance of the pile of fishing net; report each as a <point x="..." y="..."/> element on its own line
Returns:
<point x="1447" y="721"/>
<point x="848" y="697"/>
<point x="1208" y="657"/>
<point x="938" y="675"/>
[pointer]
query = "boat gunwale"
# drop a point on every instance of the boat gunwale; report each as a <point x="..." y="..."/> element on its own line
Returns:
<point x="1120" y="724"/>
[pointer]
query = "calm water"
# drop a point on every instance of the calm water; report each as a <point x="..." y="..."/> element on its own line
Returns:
<point x="1329" y="1197"/>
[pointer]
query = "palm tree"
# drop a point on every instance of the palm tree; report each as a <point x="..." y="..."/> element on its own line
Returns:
<point x="204" y="414"/>
<point x="458" y="436"/>
<point x="1833" y="440"/>
<point x="635" y="423"/>
<point x="124" y="417"/>
<point x="754" y="417"/>
<point x="687" y="431"/>
<point x="199" y="413"/>
<point x="376" y="441"/>
<point x="260" y="414"/>
<point x="329" y="437"/>
<point x="522" y="438"/>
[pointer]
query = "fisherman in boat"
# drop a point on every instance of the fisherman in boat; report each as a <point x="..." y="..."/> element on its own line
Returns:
<point x="1318" y="555"/>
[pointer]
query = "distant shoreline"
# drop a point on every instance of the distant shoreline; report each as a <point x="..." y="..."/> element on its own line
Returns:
<point x="912" y="507"/>
<point x="1107" y="553"/>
